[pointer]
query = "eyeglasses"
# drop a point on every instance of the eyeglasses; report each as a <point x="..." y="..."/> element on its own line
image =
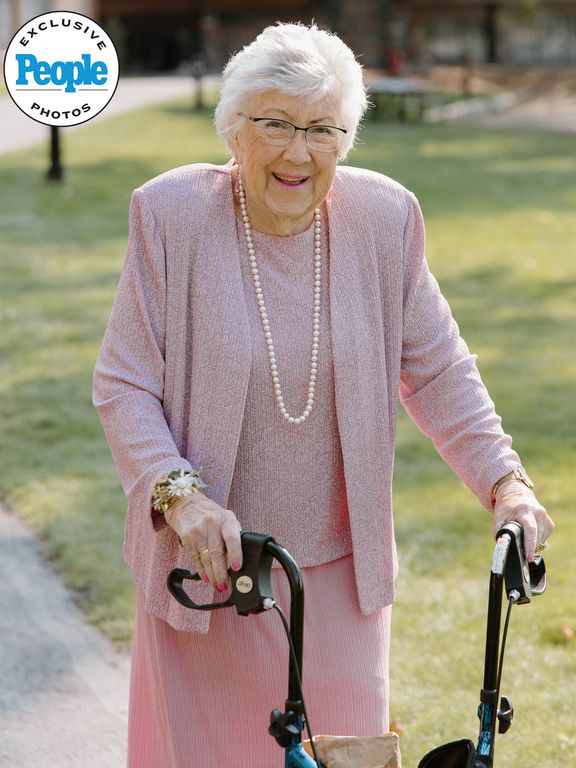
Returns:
<point x="271" y="130"/>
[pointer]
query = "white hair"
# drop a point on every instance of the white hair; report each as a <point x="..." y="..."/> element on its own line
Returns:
<point x="296" y="60"/>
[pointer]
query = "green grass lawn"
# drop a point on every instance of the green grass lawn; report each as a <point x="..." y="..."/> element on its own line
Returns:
<point x="502" y="241"/>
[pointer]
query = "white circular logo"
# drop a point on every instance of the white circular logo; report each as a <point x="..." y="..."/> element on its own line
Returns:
<point x="61" y="68"/>
<point x="244" y="584"/>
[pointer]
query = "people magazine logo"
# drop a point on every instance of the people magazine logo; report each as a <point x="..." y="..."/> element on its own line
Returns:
<point x="61" y="68"/>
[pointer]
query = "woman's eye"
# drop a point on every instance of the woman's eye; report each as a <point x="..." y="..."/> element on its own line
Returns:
<point x="275" y="124"/>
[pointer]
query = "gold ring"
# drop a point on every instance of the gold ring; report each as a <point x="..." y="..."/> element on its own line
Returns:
<point x="542" y="546"/>
<point x="204" y="552"/>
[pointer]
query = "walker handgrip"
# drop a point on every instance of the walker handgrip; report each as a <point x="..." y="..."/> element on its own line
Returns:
<point x="251" y="591"/>
<point x="176" y="588"/>
<point x="523" y="578"/>
<point x="516" y="574"/>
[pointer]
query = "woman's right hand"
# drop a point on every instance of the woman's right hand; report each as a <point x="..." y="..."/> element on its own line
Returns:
<point x="210" y="533"/>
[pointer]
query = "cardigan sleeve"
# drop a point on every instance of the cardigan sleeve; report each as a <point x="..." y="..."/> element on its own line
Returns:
<point x="129" y="374"/>
<point x="440" y="386"/>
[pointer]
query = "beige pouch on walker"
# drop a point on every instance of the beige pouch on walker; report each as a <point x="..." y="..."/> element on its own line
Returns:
<point x="357" y="751"/>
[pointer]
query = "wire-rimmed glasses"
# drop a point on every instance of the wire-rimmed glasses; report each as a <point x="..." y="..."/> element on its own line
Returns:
<point x="273" y="130"/>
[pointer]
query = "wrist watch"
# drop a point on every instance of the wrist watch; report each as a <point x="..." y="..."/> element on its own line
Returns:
<point x="517" y="474"/>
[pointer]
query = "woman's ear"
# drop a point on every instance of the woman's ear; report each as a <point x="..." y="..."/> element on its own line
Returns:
<point x="236" y="150"/>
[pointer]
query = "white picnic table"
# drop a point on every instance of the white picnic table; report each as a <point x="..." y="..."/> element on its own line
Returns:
<point x="398" y="97"/>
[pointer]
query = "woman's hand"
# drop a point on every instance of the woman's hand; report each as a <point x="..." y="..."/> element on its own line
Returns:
<point x="211" y="535"/>
<point x="516" y="502"/>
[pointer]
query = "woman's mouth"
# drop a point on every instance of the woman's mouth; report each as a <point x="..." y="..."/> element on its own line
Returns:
<point x="289" y="180"/>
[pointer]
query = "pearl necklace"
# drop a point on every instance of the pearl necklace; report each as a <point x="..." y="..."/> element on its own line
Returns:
<point x="264" y="314"/>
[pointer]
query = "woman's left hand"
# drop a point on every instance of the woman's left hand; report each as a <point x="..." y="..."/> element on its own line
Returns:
<point x="516" y="502"/>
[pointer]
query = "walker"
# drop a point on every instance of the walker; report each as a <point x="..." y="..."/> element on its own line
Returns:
<point x="251" y="593"/>
<point x="522" y="581"/>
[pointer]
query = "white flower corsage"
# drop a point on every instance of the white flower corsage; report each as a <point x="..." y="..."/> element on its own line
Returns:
<point x="174" y="486"/>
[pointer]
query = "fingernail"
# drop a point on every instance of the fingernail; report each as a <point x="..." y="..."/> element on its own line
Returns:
<point x="221" y="587"/>
<point x="205" y="579"/>
<point x="235" y="565"/>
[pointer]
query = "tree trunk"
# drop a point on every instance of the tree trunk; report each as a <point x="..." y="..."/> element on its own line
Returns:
<point x="16" y="15"/>
<point x="491" y="33"/>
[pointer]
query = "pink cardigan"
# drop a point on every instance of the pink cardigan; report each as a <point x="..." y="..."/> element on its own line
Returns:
<point x="171" y="378"/>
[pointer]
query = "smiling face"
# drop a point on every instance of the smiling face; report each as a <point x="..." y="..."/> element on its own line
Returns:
<point x="284" y="184"/>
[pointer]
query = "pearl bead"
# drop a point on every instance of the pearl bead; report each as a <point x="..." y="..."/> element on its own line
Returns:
<point x="264" y="314"/>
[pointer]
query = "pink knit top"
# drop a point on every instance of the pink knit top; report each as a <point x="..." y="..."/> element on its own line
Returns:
<point x="285" y="472"/>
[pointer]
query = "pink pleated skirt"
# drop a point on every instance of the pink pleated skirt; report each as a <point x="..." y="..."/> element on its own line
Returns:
<point x="204" y="701"/>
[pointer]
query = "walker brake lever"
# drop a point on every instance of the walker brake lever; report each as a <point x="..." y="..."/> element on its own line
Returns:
<point x="251" y="591"/>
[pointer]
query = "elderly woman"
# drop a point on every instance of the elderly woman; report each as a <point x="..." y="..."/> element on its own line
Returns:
<point x="269" y="313"/>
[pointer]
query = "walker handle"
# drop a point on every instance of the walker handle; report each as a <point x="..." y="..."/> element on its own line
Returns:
<point x="175" y="583"/>
<point x="251" y="587"/>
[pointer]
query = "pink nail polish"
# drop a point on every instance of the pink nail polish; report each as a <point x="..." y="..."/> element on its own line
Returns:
<point x="205" y="579"/>
<point x="221" y="587"/>
<point x="235" y="565"/>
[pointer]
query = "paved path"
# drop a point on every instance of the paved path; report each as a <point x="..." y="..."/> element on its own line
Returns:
<point x="553" y="113"/>
<point x="18" y="131"/>
<point x="64" y="688"/>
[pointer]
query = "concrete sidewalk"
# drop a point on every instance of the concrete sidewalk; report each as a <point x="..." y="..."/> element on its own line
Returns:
<point x="549" y="113"/>
<point x="18" y="131"/>
<point x="64" y="688"/>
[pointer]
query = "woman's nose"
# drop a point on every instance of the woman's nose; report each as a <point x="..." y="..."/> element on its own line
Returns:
<point x="297" y="149"/>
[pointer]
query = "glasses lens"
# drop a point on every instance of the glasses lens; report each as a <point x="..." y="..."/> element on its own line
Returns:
<point x="274" y="131"/>
<point x="324" y="138"/>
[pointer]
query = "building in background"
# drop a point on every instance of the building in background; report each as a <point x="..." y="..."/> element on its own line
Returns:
<point x="171" y="35"/>
<point x="157" y="37"/>
<point x="164" y="36"/>
<point x="529" y="32"/>
<point x="15" y="13"/>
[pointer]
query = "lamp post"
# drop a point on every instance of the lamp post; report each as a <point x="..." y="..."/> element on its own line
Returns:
<point x="198" y="70"/>
<point x="55" y="171"/>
